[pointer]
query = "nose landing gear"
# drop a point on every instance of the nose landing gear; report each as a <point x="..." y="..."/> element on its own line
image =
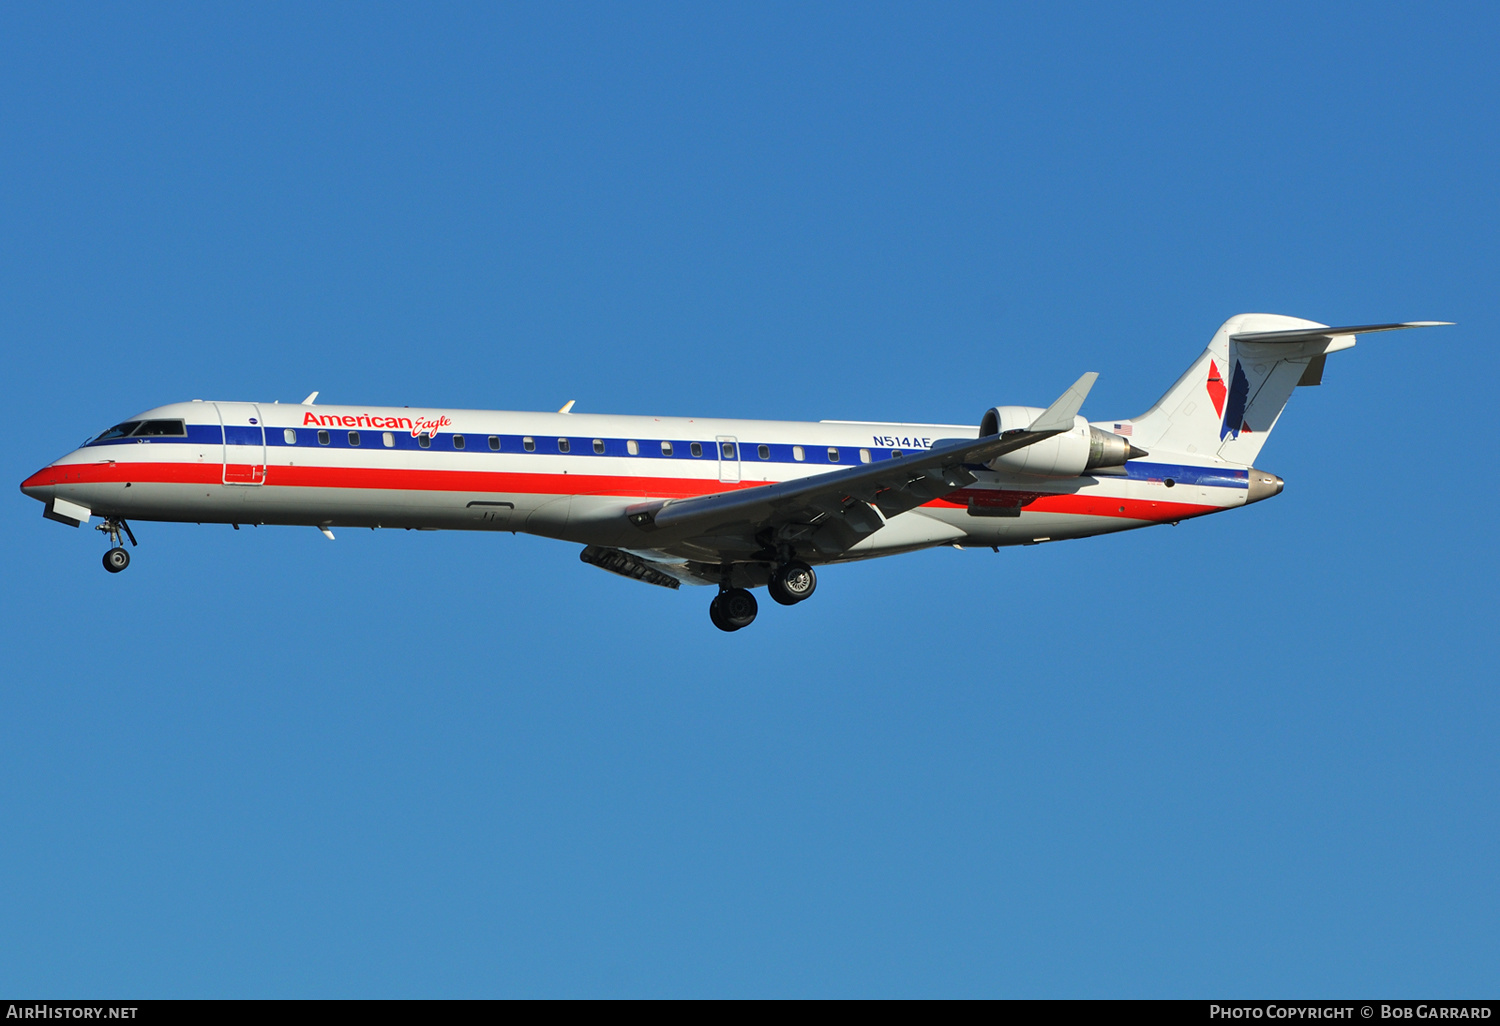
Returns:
<point x="116" y="559"/>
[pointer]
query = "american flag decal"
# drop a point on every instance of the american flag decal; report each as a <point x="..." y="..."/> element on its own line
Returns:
<point x="1122" y="429"/>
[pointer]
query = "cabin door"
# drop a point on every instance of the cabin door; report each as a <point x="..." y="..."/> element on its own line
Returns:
<point x="729" y="458"/>
<point x="244" y="443"/>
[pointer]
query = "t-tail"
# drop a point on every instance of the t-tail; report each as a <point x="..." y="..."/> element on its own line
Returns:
<point x="1226" y="404"/>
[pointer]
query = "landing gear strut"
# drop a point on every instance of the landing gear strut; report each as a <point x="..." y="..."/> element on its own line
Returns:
<point x="792" y="583"/>
<point x="116" y="559"/>
<point x="732" y="609"/>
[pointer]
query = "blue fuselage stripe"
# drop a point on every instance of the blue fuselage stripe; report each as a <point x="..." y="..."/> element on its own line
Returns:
<point x="339" y="438"/>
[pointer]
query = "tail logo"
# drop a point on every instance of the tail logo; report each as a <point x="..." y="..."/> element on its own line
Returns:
<point x="1239" y="394"/>
<point x="1216" y="389"/>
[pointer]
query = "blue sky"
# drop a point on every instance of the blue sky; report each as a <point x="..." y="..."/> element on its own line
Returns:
<point x="1250" y="755"/>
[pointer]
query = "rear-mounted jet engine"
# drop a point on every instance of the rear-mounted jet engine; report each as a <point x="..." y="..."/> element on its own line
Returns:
<point x="1076" y="451"/>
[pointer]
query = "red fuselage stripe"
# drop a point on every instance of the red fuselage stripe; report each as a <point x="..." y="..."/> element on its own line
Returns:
<point x="536" y="484"/>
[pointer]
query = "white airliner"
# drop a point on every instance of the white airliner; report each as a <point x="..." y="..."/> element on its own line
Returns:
<point x="732" y="503"/>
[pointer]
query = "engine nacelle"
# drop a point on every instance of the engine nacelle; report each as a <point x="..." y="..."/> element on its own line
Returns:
<point x="1076" y="451"/>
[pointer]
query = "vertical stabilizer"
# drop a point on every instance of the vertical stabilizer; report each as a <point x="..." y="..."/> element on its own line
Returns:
<point x="1226" y="404"/>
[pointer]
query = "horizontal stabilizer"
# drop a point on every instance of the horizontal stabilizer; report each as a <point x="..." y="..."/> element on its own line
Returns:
<point x="1059" y="416"/>
<point x="1318" y="334"/>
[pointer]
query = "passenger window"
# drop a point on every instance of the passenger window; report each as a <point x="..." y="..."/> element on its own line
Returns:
<point x="599" y="447"/>
<point x="322" y="437"/>
<point x="798" y="454"/>
<point x="666" y="448"/>
<point x="458" y="441"/>
<point x="495" y="443"/>
<point x="562" y="445"/>
<point x="389" y="440"/>
<point x="833" y="455"/>
<point x="633" y="447"/>
<point x="764" y="452"/>
<point x="424" y="440"/>
<point x="864" y="455"/>
<point x="529" y="444"/>
<point x="696" y="449"/>
<point x="354" y="438"/>
<point x="290" y="436"/>
<point x="895" y="454"/>
<point x="726" y="449"/>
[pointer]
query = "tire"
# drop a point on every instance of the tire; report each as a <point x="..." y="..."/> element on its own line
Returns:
<point x="116" y="559"/>
<point x="793" y="583"/>
<point x="716" y="614"/>
<point x="737" y="607"/>
<point x="778" y="592"/>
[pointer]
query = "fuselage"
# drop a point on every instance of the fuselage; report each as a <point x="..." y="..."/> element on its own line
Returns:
<point x="574" y="476"/>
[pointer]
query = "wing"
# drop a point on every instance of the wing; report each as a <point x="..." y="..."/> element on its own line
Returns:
<point x="834" y="511"/>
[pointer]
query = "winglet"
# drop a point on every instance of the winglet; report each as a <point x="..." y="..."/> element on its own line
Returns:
<point x="568" y="406"/>
<point x="1059" y="416"/>
<point x="309" y="400"/>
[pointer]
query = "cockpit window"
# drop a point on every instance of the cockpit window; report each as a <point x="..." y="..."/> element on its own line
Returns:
<point x="119" y="430"/>
<point x="160" y="428"/>
<point x="144" y="429"/>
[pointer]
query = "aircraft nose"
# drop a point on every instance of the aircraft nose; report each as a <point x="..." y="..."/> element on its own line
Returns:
<point x="43" y="484"/>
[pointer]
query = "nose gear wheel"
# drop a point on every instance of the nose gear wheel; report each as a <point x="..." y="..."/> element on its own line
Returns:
<point x="116" y="559"/>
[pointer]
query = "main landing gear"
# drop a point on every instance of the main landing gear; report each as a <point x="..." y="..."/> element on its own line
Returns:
<point x="732" y="609"/>
<point x="735" y="608"/>
<point x="792" y="583"/>
<point x="116" y="559"/>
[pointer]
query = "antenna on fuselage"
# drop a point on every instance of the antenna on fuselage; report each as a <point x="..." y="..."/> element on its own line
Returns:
<point x="309" y="400"/>
<point x="567" y="406"/>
